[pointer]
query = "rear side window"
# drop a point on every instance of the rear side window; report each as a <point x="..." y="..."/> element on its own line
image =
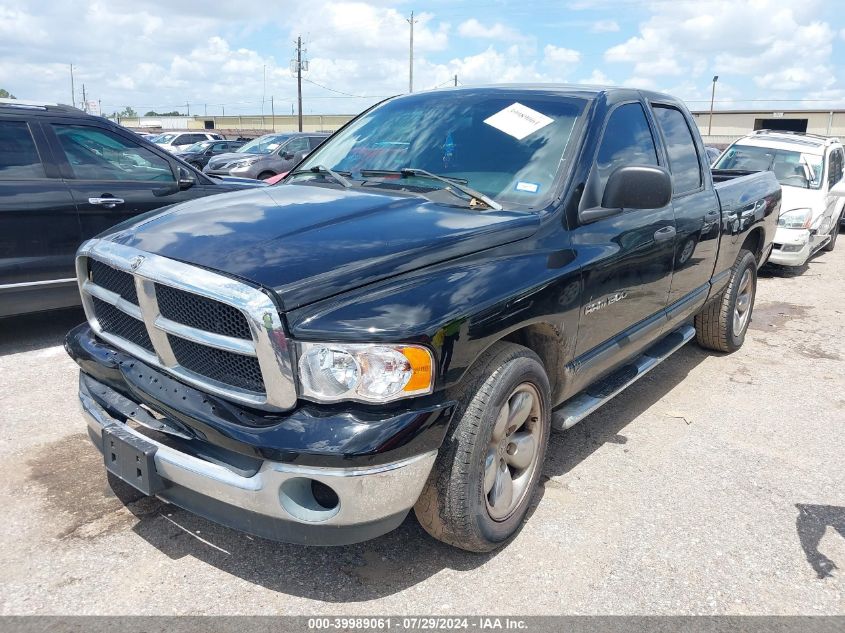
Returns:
<point x="98" y="154"/>
<point x="680" y="145"/>
<point x="627" y="141"/>
<point x="834" y="170"/>
<point x="19" y="159"/>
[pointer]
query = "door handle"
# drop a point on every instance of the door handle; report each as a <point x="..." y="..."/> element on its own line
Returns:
<point x="666" y="233"/>
<point x="108" y="203"/>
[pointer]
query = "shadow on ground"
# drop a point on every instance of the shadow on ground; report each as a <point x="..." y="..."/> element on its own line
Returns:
<point x="812" y="523"/>
<point x="37" y="331"/>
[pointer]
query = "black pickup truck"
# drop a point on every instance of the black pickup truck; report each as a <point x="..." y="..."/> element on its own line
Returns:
<point x="405" y="318"/>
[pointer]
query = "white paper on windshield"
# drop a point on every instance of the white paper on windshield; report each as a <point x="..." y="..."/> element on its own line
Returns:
<point x="518" y="120"/>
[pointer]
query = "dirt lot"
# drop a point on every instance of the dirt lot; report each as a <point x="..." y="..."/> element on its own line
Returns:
<point x="715" y="485"/>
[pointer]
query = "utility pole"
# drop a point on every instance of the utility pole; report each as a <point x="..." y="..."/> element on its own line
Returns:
<point x="72" y="91"/>
<point x="263" y="95"/>
<point x="299" y="78"/>
<point x="712" y="98"/>
<point x="84" y="99"/>
<point x="272" y="113"/>
<point x="411" y="21"/>
<point x="188" y="105"/>
<point x="205" y="109"/>
<point x="456" y="81"/>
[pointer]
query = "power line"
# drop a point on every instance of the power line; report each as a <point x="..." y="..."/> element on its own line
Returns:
<point x="346" y="94"/>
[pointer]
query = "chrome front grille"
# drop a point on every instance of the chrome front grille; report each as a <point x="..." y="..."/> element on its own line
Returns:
<point x="207" y="329"/>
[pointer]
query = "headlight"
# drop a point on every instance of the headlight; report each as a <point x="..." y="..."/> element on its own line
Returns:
<point x="367" y="373"/>
<point x="796" y="219"/>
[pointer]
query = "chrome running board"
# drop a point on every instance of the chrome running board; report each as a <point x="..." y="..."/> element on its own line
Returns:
<point x="583" y="404"/>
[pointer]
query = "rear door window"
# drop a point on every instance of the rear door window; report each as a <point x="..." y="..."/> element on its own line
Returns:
<point x="684" y="163"/>
<point x="296" y="145"/>
<point x="98" y="154"/>
<point x="19" y="159"/>
<point x="627" y="140"/>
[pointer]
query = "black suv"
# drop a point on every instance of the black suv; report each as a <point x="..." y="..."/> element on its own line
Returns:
<point x="200" y="153"/>
<point x="66" y="176"/>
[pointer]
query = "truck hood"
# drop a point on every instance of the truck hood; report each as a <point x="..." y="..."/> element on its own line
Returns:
<point x="309" y="242"/>
<point x="801" y="198"/>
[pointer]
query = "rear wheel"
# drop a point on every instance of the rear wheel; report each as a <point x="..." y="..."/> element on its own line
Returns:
<point x="485" y="476"/>
<point x="722" y="323"/>
<point x="834" y="233"/>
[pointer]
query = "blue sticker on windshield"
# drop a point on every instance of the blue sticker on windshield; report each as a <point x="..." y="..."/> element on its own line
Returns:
<point x="528" y="187"/>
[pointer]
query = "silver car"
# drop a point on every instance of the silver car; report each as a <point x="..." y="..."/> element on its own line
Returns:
<point x="266" y="156"/>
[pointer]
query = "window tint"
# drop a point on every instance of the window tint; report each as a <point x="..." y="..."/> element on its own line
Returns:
<point x="18" y="156"/>
<point x="98" y="154"/>
<point x="219" y="147"/>
<point x="680" y="145"/>
<point x="315" y="141"/>
<point x="299" y="144"/>
<point x="834" y="171"/>
<point x="627" y="141"/>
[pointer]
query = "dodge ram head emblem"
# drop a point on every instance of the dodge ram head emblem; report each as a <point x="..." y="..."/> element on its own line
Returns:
<point x="136" y="262"/>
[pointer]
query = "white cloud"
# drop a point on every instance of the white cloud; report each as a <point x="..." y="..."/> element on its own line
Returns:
<point x="604" y="26"/>
<point x="597" y="78"/>
<point x="498" y="31"/>
<point x="558" y="55"/>
<point x="778" y="47"/>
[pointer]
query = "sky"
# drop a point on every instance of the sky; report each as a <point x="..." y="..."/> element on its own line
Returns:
<point x="232" y="57"/>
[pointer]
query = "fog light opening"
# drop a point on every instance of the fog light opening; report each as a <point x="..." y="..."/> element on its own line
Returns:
<point x="324" y="496"/>
<point x="308" y="499"/>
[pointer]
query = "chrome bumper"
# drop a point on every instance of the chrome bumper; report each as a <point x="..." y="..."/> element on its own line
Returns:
<point x="277" y="492"/>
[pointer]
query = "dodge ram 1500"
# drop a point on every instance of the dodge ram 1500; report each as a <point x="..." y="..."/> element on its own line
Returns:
<point x="405" y="318"/>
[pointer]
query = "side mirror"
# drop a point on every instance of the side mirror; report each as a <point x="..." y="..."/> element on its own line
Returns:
<point x="186" y="178"/>
<point x="632" y="187"/>
<point x="288" y="155"/>
<point x="209" y="152"/>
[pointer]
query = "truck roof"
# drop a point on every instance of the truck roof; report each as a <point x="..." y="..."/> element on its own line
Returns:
<point x="589" y="92"/>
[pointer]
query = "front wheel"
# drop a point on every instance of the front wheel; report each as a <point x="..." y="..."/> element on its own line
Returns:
<point x="485" y="476"/>
<point x="722" y="323"/>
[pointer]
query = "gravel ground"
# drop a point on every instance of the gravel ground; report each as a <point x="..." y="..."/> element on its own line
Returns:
<point x="713" y="486"/>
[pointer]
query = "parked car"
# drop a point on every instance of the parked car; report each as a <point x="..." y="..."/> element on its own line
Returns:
<point x="175" y="141"/>
<point x="199" y="154"/>
<point x="810" y="170"/>
<point x="66" y="176"/>
<point x="266" y="156"/>
<point x="388" y="330"/>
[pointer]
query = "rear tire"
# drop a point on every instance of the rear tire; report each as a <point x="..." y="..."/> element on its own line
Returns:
<point x="486" y="473"/>
<point x="834" y="233"/>
<point x="723" y="322"/>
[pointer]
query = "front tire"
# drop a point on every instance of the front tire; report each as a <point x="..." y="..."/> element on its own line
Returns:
<point x="723" y="322"/>
<point x="486" y="473"/>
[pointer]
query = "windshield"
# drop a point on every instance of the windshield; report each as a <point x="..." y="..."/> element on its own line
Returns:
<point x="507" y="145"/>
<point x="791" y="168"/>
<point x="263" y="144"/>
<point x="201" y="146"/>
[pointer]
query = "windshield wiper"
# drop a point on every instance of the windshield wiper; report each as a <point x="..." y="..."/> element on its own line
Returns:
<point x="322" y="169"/>
<point x="476" y="196"/>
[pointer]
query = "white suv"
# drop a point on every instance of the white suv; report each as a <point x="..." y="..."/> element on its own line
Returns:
<point x="809" y="169"/>
<point x="176" y="141"/>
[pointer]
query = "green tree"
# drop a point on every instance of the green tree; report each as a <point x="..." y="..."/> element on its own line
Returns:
<point x="154" y="113"/>
<point x="5" y="94"/>
<point x="127" y="112"/>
